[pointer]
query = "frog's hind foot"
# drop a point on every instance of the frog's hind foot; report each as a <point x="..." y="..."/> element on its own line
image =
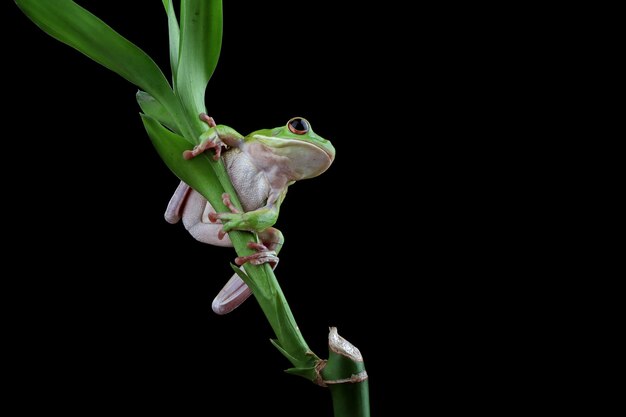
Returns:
<point x="207" y="144"/>
<point x="262" y="256"/>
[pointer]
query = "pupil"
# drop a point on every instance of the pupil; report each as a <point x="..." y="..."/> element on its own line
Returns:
<point x="299" y="125"/>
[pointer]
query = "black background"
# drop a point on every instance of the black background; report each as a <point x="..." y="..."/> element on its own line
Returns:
<point x="116" y="301"/>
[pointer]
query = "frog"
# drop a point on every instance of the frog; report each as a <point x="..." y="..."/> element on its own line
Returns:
<point x="261" y="167"/>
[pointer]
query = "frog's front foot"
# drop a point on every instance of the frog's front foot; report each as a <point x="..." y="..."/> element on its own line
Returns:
<point x="232" y="219"/>
<point x="211" y="142"/>
<point x="262" y="256"/>
<point x="198" y="149"/>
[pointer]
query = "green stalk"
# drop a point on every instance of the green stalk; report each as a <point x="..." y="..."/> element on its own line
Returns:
<point x="209" y="178"/>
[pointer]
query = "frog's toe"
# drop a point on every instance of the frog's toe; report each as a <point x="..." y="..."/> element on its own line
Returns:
<point x="262" y="256"/>
<point x="190" y="154"/>
<point x="207" y="119"/>
<point x="229" y="204"/>
<point x="228" y="217"/>
<point x="229" y="223"/>
<point x="198" y="149"/>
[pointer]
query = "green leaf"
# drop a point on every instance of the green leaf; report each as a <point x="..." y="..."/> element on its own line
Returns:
<point x="154" y="109"/>
<point x="300" y="370"/>
<point x="196" y="172"/>
<point x="249" y="281"/>
<point x="289" y="334"/>
<point x="71" y="24"/>
<point x="286" y="354"/>
<point x="200" y="44"/>
<point x="174" y="36"/>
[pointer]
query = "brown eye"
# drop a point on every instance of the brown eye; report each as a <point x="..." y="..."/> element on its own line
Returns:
<point x="298" y="125"/>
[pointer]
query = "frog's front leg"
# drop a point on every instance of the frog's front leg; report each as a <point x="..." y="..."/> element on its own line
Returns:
<point x="252" y="221"/>
<point x="259" y="221"/>
<point x="217" y="137"/>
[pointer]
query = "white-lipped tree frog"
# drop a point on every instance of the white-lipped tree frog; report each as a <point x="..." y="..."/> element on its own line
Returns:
<point x="261" y="166"/>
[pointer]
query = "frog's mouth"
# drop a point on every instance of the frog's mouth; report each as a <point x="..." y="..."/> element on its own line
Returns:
<point x="311" y="148"/>
<point x="294" y="144"/>
<point x="305" y="159"/>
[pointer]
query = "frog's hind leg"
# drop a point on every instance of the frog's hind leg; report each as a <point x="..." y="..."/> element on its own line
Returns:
<point x="174" y="211"/>
<point x="195" y="211"/>
<point x="196" y="220"/>
<point x="231" y="296"/>
<point x="235" y="292"/>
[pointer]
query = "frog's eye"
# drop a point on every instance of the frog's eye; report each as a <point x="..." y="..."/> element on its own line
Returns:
<point x="298" y="125"/>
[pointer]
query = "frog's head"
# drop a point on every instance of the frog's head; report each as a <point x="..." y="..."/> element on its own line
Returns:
<point x="309" y="154"/>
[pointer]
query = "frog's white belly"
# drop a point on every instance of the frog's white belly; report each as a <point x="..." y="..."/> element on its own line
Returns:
<point x="252" y="185"/>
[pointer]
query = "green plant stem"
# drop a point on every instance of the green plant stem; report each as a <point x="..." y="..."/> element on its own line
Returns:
<point x="209" y="178"/>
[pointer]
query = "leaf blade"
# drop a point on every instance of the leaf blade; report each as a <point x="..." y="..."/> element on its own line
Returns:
<point x="150" y="106"/>
<point x="196" y="172"/>
<point x="73" y="25"/>
<point x="200" y="44"/>
<point x="174" y="37"/>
